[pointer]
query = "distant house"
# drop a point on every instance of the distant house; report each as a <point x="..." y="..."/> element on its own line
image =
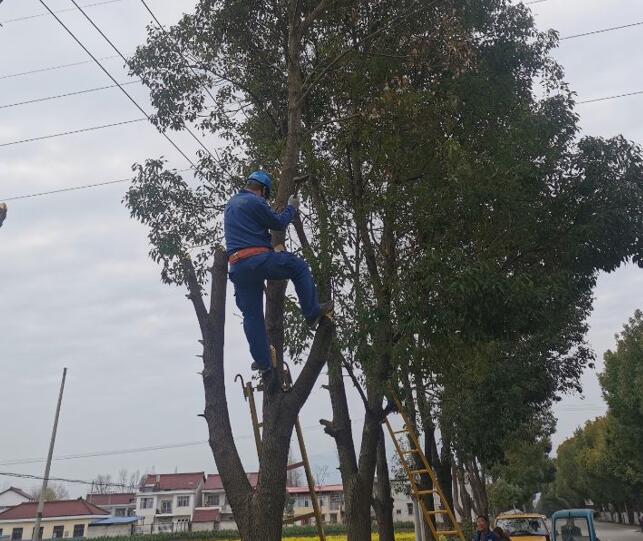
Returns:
<point x="214" y="498"/>
<point x="331" y="503"/>
<point x="13" y="496"/>
<point x="119" y="504"/>
<point x="60" y="518"/>
<point x="165" y="502"/>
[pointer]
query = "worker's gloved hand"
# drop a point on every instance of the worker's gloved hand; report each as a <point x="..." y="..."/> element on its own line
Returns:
<point x="293" y="201"/>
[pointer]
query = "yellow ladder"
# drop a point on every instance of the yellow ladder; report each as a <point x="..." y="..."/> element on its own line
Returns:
<point x="415" y="470"/>
<point x="248" y="394"/>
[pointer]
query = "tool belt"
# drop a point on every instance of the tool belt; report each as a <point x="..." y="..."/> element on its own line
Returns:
<point x="246" y="253"/>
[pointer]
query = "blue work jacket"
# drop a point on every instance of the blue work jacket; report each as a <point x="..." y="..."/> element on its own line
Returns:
<point x="248" y="219"/>
<point x="485" y="536"/>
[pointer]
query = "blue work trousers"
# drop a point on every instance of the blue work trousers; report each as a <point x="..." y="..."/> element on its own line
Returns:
<point x="249" y="276"/>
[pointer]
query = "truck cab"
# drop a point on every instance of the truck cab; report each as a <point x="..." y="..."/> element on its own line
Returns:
<point x="573" y="525"/>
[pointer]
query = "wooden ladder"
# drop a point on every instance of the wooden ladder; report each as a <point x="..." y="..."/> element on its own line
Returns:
<point x="415" y="469"/>
<point x="248" y="394"/>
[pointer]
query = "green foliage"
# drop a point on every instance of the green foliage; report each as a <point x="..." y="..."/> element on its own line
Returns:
<point x="622" y="383"/>
<point x="526" y="470"/>
<point x="603" y="460"/>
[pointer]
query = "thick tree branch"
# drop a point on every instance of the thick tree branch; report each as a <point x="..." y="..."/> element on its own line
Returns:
<point x="235" y="481"/>
<point x="319" y="352"/>
<point x="195" y="294"/>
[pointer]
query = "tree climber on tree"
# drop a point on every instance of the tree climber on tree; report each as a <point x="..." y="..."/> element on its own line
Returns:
<point x="247" y="221"/>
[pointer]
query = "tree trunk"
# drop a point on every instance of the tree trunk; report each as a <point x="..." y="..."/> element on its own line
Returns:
<point x="464" y="495"/>
<point x="383" y="501"/>
<point x="477" y="486"/>
<point x="357" y="477"/>
<point x="276" y="289"/>
<point x="630" y="513"/>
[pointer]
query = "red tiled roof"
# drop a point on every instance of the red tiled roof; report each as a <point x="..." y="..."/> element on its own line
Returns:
<point x="17" y="491"/>
<point x="318" y="488"/>
<point x="214" y="482"/>
<point x="57" y="508"/>
<point x="174" y="481"/>
<point x="206" y="515"/>
<point x="116" y="498"/>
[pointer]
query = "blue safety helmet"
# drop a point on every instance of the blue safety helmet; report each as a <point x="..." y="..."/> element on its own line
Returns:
<point x="262" y="178"/>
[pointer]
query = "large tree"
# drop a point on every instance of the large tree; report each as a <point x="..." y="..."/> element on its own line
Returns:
<point x="447" y="206"/>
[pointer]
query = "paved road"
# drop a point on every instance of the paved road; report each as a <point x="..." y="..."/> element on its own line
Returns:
<point x="608" y="531"/>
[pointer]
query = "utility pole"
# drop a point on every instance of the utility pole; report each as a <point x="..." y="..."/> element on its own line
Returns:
<point x="43" y="490"/>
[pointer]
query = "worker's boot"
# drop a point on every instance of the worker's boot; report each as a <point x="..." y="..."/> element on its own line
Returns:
<point x="325" y="309"/>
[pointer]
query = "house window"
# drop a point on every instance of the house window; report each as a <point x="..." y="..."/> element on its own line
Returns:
<point x="212" y="500"/>
<point x="321" y="501"/>
<point x="409" y="508"/>
<point x="120" y="512"/>
<point x="398" y="511"/>
<point x="147" y="503"/>
<point x="59" y="531"/>
<point x="333" y="518"/>
<point x="183" y="501"/>
<point x="306" y="502"/>
<point x="79" y="530"/>
<point x="16" y="533"/>
<point x="166" y="506"/>
<point x="335" y="502"/>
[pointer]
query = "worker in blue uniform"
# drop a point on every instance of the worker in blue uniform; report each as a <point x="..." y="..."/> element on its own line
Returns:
<point x="248" y="220"/>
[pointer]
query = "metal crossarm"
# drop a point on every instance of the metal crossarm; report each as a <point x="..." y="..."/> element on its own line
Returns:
<point x="420" y="466"/>
<point x="248" y="394"/>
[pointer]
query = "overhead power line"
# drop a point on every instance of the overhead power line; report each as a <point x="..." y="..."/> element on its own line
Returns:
<point x="606" y="98"/>
<point x="59" y="479"/>
<point x="601" y="31"/>
<point x="129" y="96"/>
<point x="93" y="454"/>
<point x="38" y="15"/>
<point x="71" y="132"/>
<point x="53" y="68"/>
<point x="73" y="189"/>
<point x="65" y="95"/>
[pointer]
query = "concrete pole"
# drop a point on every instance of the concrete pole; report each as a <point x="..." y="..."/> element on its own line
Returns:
<point x="43" y="490"/>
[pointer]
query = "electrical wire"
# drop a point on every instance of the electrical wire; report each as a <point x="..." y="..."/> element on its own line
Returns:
<point x="606" y="98"/>
<point x="71" y="132"/>
<point x="37" y="15"/>
<point x="58" y="96"/>
<point x="75" y="188"/>
<point x="601" y="31"/>
<point x="53" y="68"/>
<point x="144" y="449"/>
<point x="60" y="479"/>
<point x="114" y="80"/>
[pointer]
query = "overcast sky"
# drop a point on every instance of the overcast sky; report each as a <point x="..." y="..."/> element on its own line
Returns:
<point x="78" y="290"/>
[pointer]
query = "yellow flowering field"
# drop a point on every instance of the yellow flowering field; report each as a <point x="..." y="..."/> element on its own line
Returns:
<point x="404" y="536"/>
